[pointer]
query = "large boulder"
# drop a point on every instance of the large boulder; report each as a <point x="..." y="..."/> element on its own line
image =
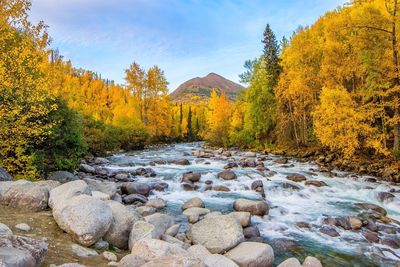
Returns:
<point x="87" y="168"/>
<point x="193" y="203"/>
<point x="85" y="218"/>
<point x="161" y="223"/>
<point x="121" y="226"/>
<point x="252" y="254"/>
<point x="62" y="176"/>
<point x="311" y="262"/>
<point x="291" y="262"/>
<point x="255" y="207"/>
<point x="217" y="234"/>
<point x="109" y="188"/>
<point x="21" y="251"/>
<point x="194" y="214"/>
<point x="244" y="218"/>
<point x="60" y="195"/>
<point x="5" y="230"/>
<point x="216" y="260"/>
<point x="140" y="230"/>
<point x="135" y="188"/>
<point x="227" y="175"/>
<point x="4" y="175"/>
<point x="5" y="186"/>
<point x="199" y="252"/>
<point x="29" y="196"/>
<point x="149" y="249"/>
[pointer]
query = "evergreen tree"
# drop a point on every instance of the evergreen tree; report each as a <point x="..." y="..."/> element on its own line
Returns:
<point x="189" y="126"/>
<point x="271" y="55"/>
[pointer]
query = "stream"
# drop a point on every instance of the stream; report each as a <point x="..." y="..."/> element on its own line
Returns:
<point x="287" y="207"/>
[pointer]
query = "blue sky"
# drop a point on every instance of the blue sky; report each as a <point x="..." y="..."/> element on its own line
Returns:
<point x="186" y="38"/>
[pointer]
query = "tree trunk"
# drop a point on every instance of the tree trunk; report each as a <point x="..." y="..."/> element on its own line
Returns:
<point x="396" y="78"/>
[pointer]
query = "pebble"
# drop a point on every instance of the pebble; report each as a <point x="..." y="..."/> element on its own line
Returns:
<point x="23" y="227"/>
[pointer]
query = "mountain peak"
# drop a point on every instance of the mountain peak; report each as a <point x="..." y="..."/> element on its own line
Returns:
<point x="203" y="86"/>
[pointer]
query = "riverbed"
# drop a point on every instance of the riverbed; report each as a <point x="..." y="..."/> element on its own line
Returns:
<point x="288" y="207"/>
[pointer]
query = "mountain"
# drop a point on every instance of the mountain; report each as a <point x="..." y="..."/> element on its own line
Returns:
<point x="202" y="88"/>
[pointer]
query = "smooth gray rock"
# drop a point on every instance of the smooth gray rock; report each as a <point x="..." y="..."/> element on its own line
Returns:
<point x="218" y="234"/>
<point x="4" y="175"/>
<point x="21" y="251"/>
<point x="120" y="228"/>
<point x="85" y="218"/>
<point x="61" y="195"/>
<point x="161" y="223"/>
<point x="87" y="168"/>
<point x="23" y="227"/>
<point x="82" y="251"/>
<point x="216" y="260"/>
<point x="109" y="188"/>
<point x="252" y="254"/>
<point x="29" y="196"/>
<point x="5" y="230"/>
<point x="195" y="202"/>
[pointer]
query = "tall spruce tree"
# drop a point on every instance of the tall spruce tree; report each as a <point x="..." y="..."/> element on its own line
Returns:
<point x="271" y="55"/>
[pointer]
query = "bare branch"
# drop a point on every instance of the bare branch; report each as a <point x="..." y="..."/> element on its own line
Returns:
<point x="371" y="28"/>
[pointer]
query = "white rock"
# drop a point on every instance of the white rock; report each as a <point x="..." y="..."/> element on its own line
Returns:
<point x="291" y="262"/>
<point x="109" y="256"/>
<point x="194" y="214"/>
<point x="23" y="227"/>
<point x="244" y="218"/>
<point x="100" y="195"/>
<point x="199" y="252"/>
<point x="61" y="194"/>
<point x="5" y="230"/>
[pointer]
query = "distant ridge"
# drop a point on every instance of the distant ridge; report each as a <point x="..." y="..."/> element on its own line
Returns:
<point x="201" y="87"/>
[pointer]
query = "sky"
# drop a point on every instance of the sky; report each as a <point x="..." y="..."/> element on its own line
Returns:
<point x="185" y="38"/>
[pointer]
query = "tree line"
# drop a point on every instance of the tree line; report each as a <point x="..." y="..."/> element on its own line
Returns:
<point x="52" y="114"/>
<point x="333" y="85"/>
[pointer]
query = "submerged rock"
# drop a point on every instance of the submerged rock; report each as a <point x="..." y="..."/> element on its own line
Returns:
<point x="217" y="234"/>
<point x="315" y="183"/>
<point x="371" y="207"/>
<point x="329" y="231"/>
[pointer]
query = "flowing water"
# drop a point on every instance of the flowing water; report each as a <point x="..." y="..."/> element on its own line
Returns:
<point x="288" y="207"/>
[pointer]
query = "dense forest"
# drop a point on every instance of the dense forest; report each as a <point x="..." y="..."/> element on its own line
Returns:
<point x="334" y="85"/>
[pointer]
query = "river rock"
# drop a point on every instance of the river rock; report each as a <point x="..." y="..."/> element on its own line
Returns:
<point x="227" y="175"/>
<point x="315" y="183"/>
<point x="250" y="155"/>
<point x="291" y="262"/>
<point x="256" y="184"/>
<point x="149" y="249"/>
<point x="85" y="218"/>
<point x="385" y="196"/>
<point x="370" y="225"/>
<point x="87" y="168"/>
<point x="220" y="188"/>
<point x="354" y="222"/>
<point x="61" y="195"/>
<point x="392" y="242"/>
<point x="121" y="226"/>
<point x="193" y="203"/>
<point x="82" y="251"/>
<point x="311" y="262"/>
<point x="371" y="207"/>
<point x="194" y="214"/>
<point x="192" y="177"/>
<point x="135" y="188"/>
<point x="244" y="218"/>
<point x="371" y="236"/>
<point x="100" y="195"/>
<point x="296" y="177"/>
<point x="173" y="240"/>
<point x="21" y="251"/>
<point x="199" y="252"/>
<point x="281" y="161"/>
<point x="255" y="207"/>
<point x="327" y="230"/>
<point x="173" y="230"/>
<point x="101" y="245"/>
<point x="146" y="210"/>
<point x="217" y="234"/>
<point x="100" y="171"/>
<point x="5" y="230"/>
<point x="29" y="196"/>
<point x="189" y="187"/>
<point x="23" y="227"/>
<point x="156" y="203"/>
<point x="251" y="232"/>
<point x="62" y="176"/>
<point x="181" y="162"/>
<point x="109" y="256"/>
<point x="161" y="223"/>
<point x="216" y="260"/>
<point x="100" y="161"/>
<point x="106" y="187"/>
<point x="252" y="254"/>
<point x="140" y="230"/>
<point x="4" y="175"/>
<point x="231" y="165"/>
<point x="160" y="186"/>
<point x="132" y="198"/>
<point x="7" y="185"/>
<point x="181" y="261"/>
<point x="122" y="177"/>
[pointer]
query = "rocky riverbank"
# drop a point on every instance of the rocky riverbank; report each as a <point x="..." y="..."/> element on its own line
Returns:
<point x="122" y="211"/>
